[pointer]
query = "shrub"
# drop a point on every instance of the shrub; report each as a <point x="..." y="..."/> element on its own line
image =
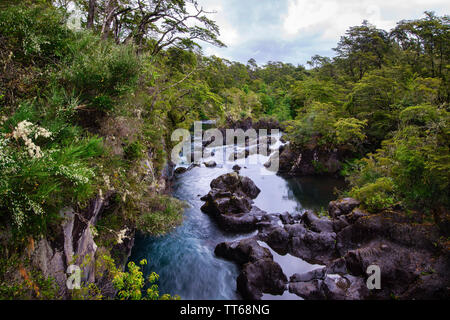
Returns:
<point x="134" y="150"/>
<point x="376" y="196"/>
<point x="37" y="33"/>
<point x="101" y="71"/>
<point x="129" y="285"/>
<point x="164" y="214"/>
<point x="38" y="178"/>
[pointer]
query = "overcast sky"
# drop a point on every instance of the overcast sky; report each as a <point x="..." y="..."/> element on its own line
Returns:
<point x="295" y="30"/>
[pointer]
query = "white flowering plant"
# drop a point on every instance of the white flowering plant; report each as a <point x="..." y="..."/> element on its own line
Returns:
<point x="38" y="176"/>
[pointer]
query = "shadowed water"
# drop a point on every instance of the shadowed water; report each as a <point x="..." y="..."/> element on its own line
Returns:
<point x="185" y="258"/>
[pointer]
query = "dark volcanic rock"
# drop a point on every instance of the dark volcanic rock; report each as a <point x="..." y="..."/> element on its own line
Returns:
<point x="262" y="276"/>
<point x="236" y="184"/>
<point x="309" y="161"/>
<point x="230" y="203"/>
<point x="308" y="290"/>
<point x="312" y="275"/>
<point x="316" y="224"/>
<point x="259" y="274"/>
<point x="237" y="168"/>
<point x="210" y="164"/>
<point x="180" y="170"/>
<point x="342" y="207"/>
<point x="243" y="251"/>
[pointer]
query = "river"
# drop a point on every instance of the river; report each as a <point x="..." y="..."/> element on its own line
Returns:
<point x="185" y="258"/>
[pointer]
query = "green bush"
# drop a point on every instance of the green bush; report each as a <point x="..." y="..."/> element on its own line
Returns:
<point x="36" y="33"/>
<point x="376" y="196"/>
<point x="134" y="151"/>
<point x="101" y="71"/>
<point x="165" y="213"/>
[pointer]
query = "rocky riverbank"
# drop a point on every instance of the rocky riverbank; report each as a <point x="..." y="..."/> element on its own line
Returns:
<point x="413" y="256"/>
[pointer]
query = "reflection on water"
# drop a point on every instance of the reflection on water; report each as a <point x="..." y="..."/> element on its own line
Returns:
<point x="185" y="258"/>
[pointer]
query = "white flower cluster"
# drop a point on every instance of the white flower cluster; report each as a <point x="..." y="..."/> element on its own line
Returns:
<point x="24" y="130"/>
<point x="76" y="173"/>
<point x="5" y="158"/>
<point x="121" y="236"/>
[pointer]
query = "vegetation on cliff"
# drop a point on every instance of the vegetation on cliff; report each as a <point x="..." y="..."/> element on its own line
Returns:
<point x="88" y="112"/>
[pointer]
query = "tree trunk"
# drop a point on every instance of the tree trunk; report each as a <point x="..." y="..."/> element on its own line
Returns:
<point x="91" y="14"/>
<point x="109" y="17"/>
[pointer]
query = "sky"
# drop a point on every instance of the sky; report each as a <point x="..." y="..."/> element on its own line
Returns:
<point x="295" y="30"/>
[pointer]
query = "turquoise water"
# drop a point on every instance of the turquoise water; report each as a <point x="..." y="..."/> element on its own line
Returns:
<point x="185" y="258"/>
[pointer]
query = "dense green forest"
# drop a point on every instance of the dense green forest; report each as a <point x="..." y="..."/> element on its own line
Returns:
<point x="82" y="109"/>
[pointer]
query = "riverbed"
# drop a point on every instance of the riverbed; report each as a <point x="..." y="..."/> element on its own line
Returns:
<point x="184" y="258"/>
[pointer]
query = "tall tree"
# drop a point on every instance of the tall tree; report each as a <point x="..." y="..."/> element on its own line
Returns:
<point x="362" y="48"/>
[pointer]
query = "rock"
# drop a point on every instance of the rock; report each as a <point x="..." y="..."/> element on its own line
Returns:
<point x="310" y="161"/>
<point x="249" y="188"/>
<point x="337" y="266"/>
<point x="339" y="224"/>
<point x="286" y="160"/>
<point x="336" y="287"/>
<point x="342" y="207"/>
<point x="286" y="218"/>
<point x="210" y="164"/>
<point x="180" y="170"/>
<point x="236" y="184"/>
<point x="230" y="203"/>
<point x="316" y="274"/>
<point x="314" y="247"/>
<point x="278" y="240"/>
<point x="219" y="202"/>
<point x="243" y="251"/>
<point x="308" y="290"/>
<point x="262" y="276"/>
<point x="317" y="224"/>
<point x="52" y="264"/>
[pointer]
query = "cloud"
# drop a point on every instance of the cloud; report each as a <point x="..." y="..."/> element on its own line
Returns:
<point x="294" y="30"/>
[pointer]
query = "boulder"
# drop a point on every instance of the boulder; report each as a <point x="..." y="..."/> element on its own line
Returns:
<point x="236" y="184"/>
<point x="308" y="290"/>
<point x="210" y="164"/>
<point x="262" y="276"/>
<point x="342" y="207"/>
<point x="318" y="274"/>
<point x="316" y="224"/>
<point x="242" y="252"/>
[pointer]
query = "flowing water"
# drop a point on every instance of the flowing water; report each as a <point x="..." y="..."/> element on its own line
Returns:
<point x="185" y="258"/>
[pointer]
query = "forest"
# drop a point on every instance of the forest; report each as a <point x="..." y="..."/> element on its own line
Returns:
<point x="84" y="107"/>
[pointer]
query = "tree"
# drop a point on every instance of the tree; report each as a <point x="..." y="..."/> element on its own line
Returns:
<point x="154" y="23"/>
<point x="363" y="48"/>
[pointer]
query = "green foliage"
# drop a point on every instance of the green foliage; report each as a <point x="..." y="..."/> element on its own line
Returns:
<point x="164" y="213"/>
<point x="314" y="123"/>
<point x="36" y="33"/>
<point x="376" y="196"/>
<point x="350" y="131"/>
<point x="134" y="151"/>
<point x="415" y="160"/>
<point x="130" y="284"/>
<point x="101" y="71"/>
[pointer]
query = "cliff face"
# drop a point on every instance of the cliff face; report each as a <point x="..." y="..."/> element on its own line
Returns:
<point x="75" y="243"/>
<point x="310" y="161"/>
